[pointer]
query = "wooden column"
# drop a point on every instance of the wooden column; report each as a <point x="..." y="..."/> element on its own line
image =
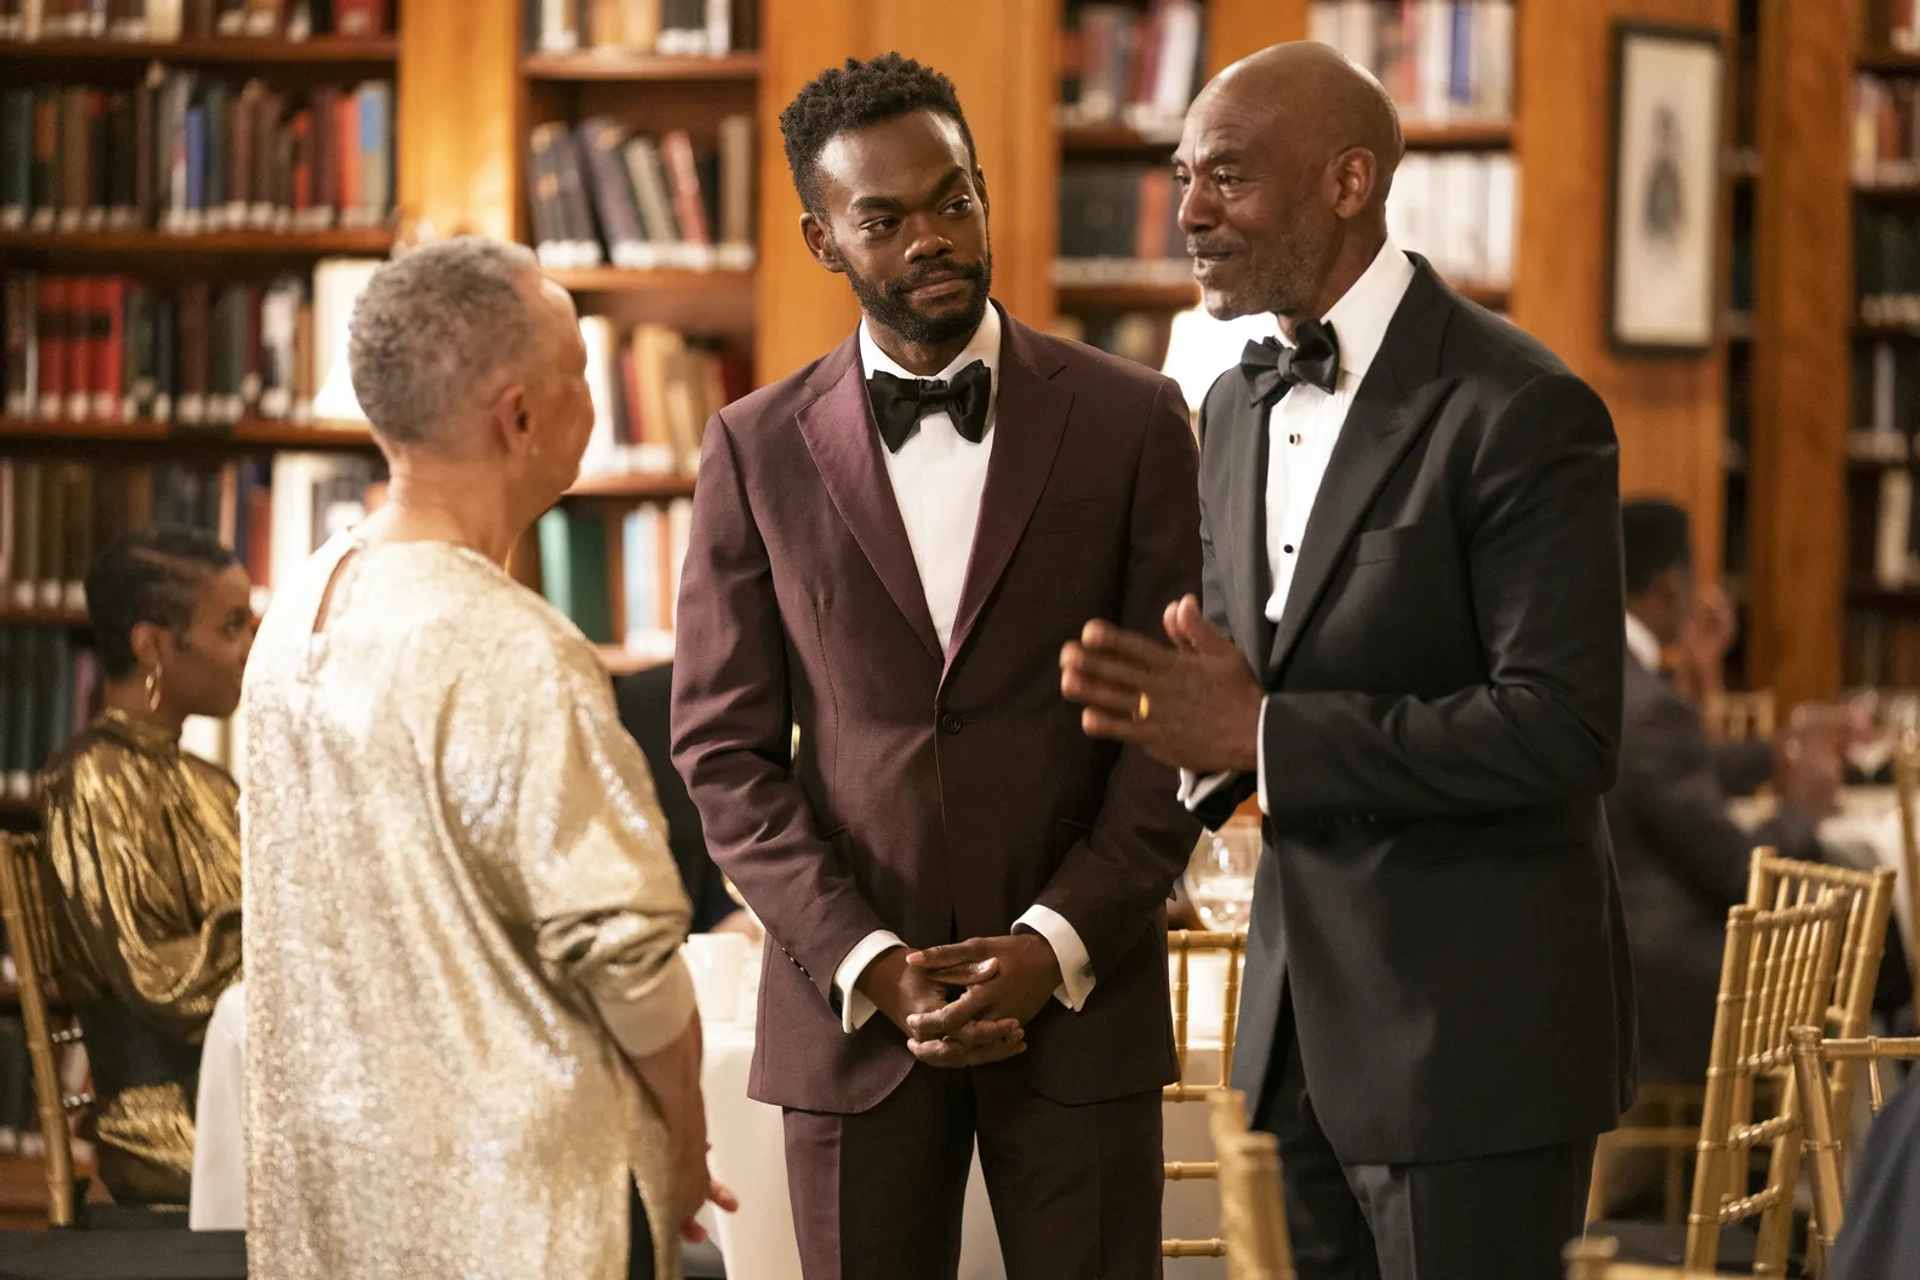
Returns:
<point x="1803" y="315"/>
<point x="457" y="133"/>
<point x="1670" y="413"/>
<point x="1236" y="28"/>
<point x="1003" y="60"/>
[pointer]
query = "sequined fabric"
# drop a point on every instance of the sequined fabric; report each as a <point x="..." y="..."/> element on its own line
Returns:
<point x="457" y="878"/>
<point x="144" y="845"/>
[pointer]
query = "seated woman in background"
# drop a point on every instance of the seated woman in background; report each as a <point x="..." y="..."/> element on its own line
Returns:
<point x="143" y="842"/>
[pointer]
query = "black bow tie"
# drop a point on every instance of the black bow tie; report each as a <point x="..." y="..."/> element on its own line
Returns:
<point x="1271" y="368"/>
<point x="900" y="403"/>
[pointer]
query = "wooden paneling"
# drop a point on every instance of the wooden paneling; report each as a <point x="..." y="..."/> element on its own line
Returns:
<point x="1236" y="28"/>
<point x="1669" y="413"/>
<point x="1803" y="301"/>
<point x="1003" y="61"/>
<point x="458" y="136"/>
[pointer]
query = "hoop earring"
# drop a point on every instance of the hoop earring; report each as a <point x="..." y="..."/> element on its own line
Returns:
<point x="153" y="690"/>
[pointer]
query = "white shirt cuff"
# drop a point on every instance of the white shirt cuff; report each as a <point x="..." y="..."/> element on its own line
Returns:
<point x="1076" y="966"/>
<point x="855" y="1008"/>
<point x="1260" y="757"/>
<point x="1194" y="789"/>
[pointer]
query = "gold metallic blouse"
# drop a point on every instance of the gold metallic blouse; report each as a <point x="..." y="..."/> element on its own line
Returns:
<point x="462" y="915"/>
<point x="144" y="844"/>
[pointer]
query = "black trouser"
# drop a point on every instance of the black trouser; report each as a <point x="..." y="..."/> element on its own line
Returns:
<point x="640" y="1248"/>
<point x="1501" y="1217"/>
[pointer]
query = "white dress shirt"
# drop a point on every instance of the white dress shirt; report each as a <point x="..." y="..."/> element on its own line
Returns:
<point x="1642" y="643"/>
<point x="938" y="480"/>
<point x="1302" y="428"/>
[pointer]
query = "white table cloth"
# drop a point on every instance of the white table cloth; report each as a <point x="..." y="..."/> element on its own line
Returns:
<point x="748" y="1147"/>
<point x="1863" y="833"/>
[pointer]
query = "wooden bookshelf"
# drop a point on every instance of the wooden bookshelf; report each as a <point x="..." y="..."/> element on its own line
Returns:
<point x="619" y="662"/>
<point x="12" y="616"/>
<point x="662" y="280"/>
<point x="1115" y="142"/>
<point x="345" y="241"/>
<point x="1466" y="136"/>
<point x="1890" y="62"/>
<point x="253" y="433"/>
<point x="325" y="50"/>
<point x="1145" y="295"/>
<point x="638" y="486"/>
<point x="638" y="68"/>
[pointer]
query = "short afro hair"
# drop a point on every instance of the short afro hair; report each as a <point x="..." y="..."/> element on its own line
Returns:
<point x="841" y="99"/>
<point x="151" y="576"/>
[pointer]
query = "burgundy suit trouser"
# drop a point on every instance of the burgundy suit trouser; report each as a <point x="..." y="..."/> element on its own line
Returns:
<point x="1075" y="1189"/>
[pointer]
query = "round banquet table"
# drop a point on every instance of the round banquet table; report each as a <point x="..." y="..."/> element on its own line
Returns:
<point x="748" y="1147"/>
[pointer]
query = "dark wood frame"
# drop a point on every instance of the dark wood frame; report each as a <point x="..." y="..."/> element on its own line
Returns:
<point x="1624" y="32"/>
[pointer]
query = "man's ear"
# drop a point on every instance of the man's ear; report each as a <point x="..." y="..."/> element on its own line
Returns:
<point x="1356" y="174"/>
<point x="820" y="243"/>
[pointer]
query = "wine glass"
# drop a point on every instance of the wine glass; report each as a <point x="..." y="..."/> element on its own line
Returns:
<point x="1220" y="875"/>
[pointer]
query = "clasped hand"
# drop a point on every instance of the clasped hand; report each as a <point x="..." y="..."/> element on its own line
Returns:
<point x="966" y="1004"/>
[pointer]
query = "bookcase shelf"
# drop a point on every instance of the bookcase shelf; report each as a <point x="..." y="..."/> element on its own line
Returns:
<point x="355" y="241"/>
<point x="1129" y="296"/>
<point x="624" y="280"/>
<point x="619" y="662"/>
<point x="321" y="50"/>
<point x="12" y="616"/>
<point x="604" y="65"/>
<point x="249" y="434"/>
<point x="1890" y="61"/>
<point x="1114" y="142"/>
<point x="639" y="486"/>
<point x="1480" y="136"/>
<point x="1870" y="594"/>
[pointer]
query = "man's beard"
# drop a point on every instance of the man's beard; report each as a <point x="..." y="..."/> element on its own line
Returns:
<point x="889" y="305"/>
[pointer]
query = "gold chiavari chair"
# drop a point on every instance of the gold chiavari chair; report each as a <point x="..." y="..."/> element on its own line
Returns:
<point x="1592" y="1258"/>
<point x="1815" y="1064"/>
<point x="1773" y="883"/>
<point x="1777" y="974"/>
<point x="1181" y="945"/>
<point x="30" y="940"/>
<point x="1253" y="1214"/>
<point x="1740" y="717"/>
<point x="1906" y="783"/>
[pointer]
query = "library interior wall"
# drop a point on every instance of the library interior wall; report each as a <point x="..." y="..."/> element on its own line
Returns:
<point x="461" y="151"/>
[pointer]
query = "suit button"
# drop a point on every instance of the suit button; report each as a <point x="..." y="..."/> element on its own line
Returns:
<point x="951" y="723"/>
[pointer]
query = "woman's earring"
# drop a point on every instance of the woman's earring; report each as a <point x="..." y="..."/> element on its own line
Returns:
<point x="153" y="690"/>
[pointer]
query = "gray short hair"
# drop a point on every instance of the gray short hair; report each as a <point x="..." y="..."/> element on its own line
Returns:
<point x="433" y="329"/>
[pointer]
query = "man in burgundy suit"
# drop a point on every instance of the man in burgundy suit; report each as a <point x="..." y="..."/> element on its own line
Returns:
<point x="889" y="549"/>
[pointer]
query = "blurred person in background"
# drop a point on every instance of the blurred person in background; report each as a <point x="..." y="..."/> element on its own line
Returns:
<point x="143" y="841"/>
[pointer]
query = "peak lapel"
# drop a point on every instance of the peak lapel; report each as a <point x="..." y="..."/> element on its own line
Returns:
<point x="1030" y="417"/>
<point x="1397" y="398"/>
<point x="839" y="430"/>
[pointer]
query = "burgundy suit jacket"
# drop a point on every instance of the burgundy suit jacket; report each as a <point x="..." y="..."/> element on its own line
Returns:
<point x="939" y="797"/>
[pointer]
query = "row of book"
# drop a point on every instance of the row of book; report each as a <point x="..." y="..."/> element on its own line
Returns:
<point x="601" y="193"/>
<point x="653" y="391"/>
<point x="1120" y="64"/>
<point x="1886" y="400"/>
<point x="56" y="515"/>
<point x="1886" y="132"/>
<point x="689" y="28"/>
<point x="87" y="349"/>
<point x="1140" y="336"/>
<point x="1459" y="209"/>
<point x="185" y="153"/>
<point x="1444" y="61"/>
<point x="49" y="689"/>
<point x="616" y="576"/>
<point x="169" y="20"/>
<point x="1886" y="244"/>
<point x="1894" y="24"/>
<point x="1120" y="211"/>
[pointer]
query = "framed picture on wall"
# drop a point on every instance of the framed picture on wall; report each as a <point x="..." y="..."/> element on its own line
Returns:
<point x="1667" y="95"/>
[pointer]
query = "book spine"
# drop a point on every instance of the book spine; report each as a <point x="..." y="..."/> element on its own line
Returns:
<point x="51" y="318"/>
<point x="109" y="349"/>
<point x="22" y="339"/>
<point x="676" y="148"/>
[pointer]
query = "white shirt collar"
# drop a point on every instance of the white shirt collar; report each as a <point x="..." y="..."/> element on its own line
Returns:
<point x="1642" y="644"/>
<point x="984" y="346"/>
<point x="1361" y="317"/>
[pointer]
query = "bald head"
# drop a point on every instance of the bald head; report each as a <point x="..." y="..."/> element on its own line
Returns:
<point x="1320" y="102"/>
<point x="1286" y="160"/>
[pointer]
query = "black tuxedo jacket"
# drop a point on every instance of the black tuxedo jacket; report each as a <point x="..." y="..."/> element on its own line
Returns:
<point x="1437" y="901"/>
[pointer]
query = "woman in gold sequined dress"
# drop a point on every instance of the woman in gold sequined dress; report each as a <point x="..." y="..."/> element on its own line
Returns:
<point x="144" y="844"/>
